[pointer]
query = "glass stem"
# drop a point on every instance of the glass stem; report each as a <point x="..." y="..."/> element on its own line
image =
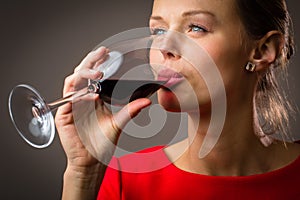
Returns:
<point x="93" y="87"/>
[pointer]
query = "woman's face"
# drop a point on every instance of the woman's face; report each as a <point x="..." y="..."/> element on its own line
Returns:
<point x="215" y="27"/>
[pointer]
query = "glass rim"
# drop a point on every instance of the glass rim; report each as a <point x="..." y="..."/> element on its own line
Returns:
<point x="48" y="113"/>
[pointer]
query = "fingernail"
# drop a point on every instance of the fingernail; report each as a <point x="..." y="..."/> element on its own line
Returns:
<point x="92" y="71"/>
<point x="104" y="49"/>
<point x="101" y="75"/>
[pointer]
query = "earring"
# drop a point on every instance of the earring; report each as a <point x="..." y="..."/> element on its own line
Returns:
<point x="250" y="67"/>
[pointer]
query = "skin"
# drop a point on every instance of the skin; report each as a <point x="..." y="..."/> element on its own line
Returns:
<point x="217" y="29"/>
<point x="215" y="32"/>
<point x="84" y="173"/>
<point x="238" y="151"/>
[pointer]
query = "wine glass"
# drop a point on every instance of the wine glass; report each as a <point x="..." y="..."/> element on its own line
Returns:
<point x="127" y="76"/>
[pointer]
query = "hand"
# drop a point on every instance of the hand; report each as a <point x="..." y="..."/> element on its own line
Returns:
<point x="84" y="172"/>
<point x="111" y="125"/>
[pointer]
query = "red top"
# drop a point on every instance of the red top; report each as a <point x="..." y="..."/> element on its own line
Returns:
<point x="170" y="182"/>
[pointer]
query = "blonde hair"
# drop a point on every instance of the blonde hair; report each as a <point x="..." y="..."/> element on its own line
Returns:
<point x="271" y="101"/>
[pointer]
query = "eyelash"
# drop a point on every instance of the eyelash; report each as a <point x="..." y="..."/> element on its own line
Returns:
<point x="155" y="31"/>
<point x="161" y="31"/>
<point x="201" y="29"/>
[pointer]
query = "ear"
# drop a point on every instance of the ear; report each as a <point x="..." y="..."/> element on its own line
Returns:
<point x="266" y="50"/>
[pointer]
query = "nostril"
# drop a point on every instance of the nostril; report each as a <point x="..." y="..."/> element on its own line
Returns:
<point x="170" y="54"/>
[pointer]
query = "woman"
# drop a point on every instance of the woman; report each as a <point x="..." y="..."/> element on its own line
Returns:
<point x="248" y="40"/>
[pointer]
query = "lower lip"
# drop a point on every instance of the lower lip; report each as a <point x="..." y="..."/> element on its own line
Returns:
<point x="173" y="81"/>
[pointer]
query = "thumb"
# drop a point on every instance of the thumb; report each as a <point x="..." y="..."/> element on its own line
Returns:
<point x="130" y="111"/>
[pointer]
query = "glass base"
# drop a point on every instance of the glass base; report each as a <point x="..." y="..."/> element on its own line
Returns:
<point x="31" y="116"/>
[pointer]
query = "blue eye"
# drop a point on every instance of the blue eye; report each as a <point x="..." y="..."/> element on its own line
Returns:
<point x="158" y="31"/>
<point x="196" y="28"/>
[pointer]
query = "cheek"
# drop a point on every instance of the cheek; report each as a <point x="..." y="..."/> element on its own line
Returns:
<point x="229" y="58"/>
<point x="189" y="94"/>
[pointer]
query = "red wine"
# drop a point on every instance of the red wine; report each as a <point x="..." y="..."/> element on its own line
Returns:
<point x="121" y="92"/>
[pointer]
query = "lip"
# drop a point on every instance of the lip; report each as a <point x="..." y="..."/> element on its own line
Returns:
<point x="173" y="77"/>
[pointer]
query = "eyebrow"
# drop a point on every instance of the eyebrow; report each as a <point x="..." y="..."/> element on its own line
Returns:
<point x="156" y="17"/>
<point x="197" y="12"/>
<point x="186" y="14"/>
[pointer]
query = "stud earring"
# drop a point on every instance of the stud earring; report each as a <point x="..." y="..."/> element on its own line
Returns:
<point x="250" y="67"/>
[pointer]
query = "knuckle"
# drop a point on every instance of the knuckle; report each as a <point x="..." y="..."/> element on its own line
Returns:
<point x="76" y="69"/>
<point x="62" y="120"/>
<point x="89" y="64"/>
<point x="68" y="80"/>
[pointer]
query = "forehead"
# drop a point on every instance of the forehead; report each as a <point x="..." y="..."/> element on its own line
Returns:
<point x="220" y="8"/>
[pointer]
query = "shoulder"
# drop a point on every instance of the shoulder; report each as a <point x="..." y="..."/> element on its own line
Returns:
<point x="287" y="154"/>
<point x="292" y="150"/>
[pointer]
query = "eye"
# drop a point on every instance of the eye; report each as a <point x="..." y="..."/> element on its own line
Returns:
<point x="197" y="28"/>
<point x="158" y="31"/>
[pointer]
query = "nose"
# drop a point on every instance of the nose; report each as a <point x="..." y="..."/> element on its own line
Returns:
<point x="169" y="54"/>
<point x="169" y="46"/>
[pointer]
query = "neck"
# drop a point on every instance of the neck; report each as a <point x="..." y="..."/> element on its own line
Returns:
<point x="237" y="150"/>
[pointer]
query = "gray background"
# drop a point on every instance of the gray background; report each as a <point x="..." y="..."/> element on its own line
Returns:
<point x="41" y="42"/>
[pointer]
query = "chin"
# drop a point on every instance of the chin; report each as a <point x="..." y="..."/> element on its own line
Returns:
<point x="170" y="102"/>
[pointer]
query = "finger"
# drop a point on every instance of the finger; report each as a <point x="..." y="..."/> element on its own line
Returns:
<point x="92" y="58"/>
<point x="62" y="115"/>
<point x="88" y="74"/>
<point x="130" y="111"/>
<point x="100" y="61"/>
<point x="79" y="79"/>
